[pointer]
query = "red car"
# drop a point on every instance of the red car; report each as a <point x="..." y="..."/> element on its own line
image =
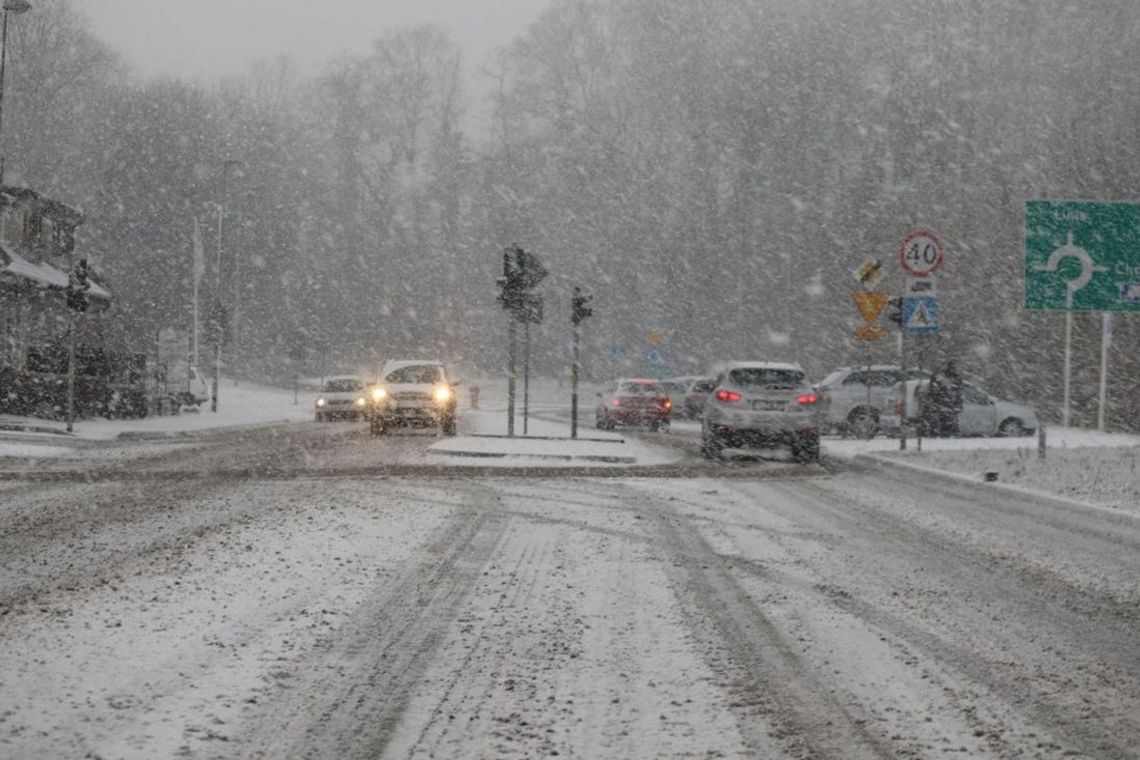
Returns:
<point x="633" y="402"/>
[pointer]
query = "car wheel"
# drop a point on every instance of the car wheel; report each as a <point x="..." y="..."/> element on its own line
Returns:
<point x="806" y="448"/>
<point x="1011" y="428"/>
<point x="654" y="426"/>
<point x="611" y="424"/>
<point x="863" y="423"/>
<point x="711" y="446"/>
<point x="320" y="417"/>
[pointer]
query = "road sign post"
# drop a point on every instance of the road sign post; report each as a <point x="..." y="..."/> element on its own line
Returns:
<point x="917" y="312"/>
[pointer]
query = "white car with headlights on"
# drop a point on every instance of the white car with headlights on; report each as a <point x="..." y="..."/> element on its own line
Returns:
<point x="413" y="393"/>
<point x="343" y="396"/>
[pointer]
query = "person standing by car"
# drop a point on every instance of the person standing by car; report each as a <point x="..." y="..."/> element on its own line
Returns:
<point x="953" y="398"/>
<point x="943" y="402"/>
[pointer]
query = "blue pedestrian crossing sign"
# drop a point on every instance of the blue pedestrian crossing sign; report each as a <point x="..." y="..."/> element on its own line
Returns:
<point x="920" y="314"/>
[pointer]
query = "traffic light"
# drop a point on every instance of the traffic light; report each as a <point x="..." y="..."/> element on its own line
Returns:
<point x="894" y="310"/>
<point x="77" y="286"/>
<point x="578" y="308"/>
<point x="522" y="271"/>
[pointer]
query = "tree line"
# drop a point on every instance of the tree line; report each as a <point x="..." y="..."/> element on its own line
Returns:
<point x="711" y="170"/>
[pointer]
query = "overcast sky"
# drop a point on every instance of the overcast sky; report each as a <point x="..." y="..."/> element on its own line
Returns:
<point x="207" y="39"/>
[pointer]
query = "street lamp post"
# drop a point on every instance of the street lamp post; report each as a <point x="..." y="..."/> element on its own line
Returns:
<point x="17" y="7"/>
<point x="219" y="309"/>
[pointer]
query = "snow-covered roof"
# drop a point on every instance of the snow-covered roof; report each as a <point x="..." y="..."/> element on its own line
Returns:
<point x="43" y="274"/>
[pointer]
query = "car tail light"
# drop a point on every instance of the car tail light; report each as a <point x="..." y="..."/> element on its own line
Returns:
<point x="728" y="396"/>
<point x="617" y="402"/>
<point x="898" y="410"/>
<point x="806" y="399"/>
<point x="666" y="403"/>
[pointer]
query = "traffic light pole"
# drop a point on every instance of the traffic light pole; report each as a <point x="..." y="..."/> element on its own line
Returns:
<point x="574" y="388"/>
<point x="511" y="378"/>
<point x="526" y="375"/>
<point x="578" y="311"/>
<point x="71" y="372"/>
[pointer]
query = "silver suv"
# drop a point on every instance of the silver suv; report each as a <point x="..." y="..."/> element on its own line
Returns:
<point x="762" y="405"/>
<point x="857" y="397"/>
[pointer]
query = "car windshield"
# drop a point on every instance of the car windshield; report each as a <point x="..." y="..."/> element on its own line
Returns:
<point x="343" y="385"/>
<point x="414" y="373"/>
<point x="767" y="377"/>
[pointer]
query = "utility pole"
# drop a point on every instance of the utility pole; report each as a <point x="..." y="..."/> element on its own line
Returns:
<point x="219" y="311"/>
<point x="578" y="312"/>
<point x="77" y="286"/>
<point x="17" y="7"/>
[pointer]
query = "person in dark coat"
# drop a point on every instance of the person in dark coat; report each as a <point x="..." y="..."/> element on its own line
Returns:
<point x="943" y="402"/>
<point x="932" y="400"/>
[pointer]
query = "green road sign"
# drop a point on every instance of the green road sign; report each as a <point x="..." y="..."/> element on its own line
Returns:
<point x="1082" y="255"/>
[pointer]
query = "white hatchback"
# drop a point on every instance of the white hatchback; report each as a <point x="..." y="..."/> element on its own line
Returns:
<point x="982" y="414"/>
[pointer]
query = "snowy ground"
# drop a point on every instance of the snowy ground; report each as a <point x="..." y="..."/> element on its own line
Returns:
<point x="273" y="592"/>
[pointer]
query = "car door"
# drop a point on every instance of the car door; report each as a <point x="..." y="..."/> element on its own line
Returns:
<point x="979" y="414"/>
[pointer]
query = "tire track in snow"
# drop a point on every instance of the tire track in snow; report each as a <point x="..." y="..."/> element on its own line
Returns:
<point x="347" y="703"/>
<point x="768" y="677"/>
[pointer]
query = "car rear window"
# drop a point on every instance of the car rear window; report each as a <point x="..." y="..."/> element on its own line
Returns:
<point x="766" y="377"/>
<point x="832" y="379"/>
<point x="880" y="377"/>
<point x="414" y="373"/>
<point x="641" y="389"/>
<point x="343" y="386"/>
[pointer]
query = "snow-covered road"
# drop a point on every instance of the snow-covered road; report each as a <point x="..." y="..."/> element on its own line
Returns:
<point x="804" y="612"/>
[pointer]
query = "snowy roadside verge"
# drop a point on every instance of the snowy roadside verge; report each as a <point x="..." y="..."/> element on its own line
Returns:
<point x="245" y="406"/>
<point x="1102" y="479"/>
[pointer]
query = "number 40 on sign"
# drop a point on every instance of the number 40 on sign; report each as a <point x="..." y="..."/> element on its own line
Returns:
<point x="920" y="254"/>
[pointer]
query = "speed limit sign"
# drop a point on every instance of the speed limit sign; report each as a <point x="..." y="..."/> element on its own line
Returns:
<point x="921" y="254"/>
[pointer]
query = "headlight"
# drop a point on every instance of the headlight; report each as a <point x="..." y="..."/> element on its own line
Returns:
<point x="320" y="402"/>
<point x="360" y="401"/>
<point x="379" y="394"/>
<point x="442" y="394"/>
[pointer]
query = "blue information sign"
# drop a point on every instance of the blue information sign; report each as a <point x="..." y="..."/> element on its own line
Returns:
<point x="920" y="314"/>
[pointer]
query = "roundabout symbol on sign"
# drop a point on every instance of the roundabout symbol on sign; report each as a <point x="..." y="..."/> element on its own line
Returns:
<point x="920" y="254"/>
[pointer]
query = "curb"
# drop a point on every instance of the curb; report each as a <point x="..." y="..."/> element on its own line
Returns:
<point x="1043" y="497"/>
<point x="596" y="458"/>
<point x="173" y="435"/>
<point x="543" y="438"/>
